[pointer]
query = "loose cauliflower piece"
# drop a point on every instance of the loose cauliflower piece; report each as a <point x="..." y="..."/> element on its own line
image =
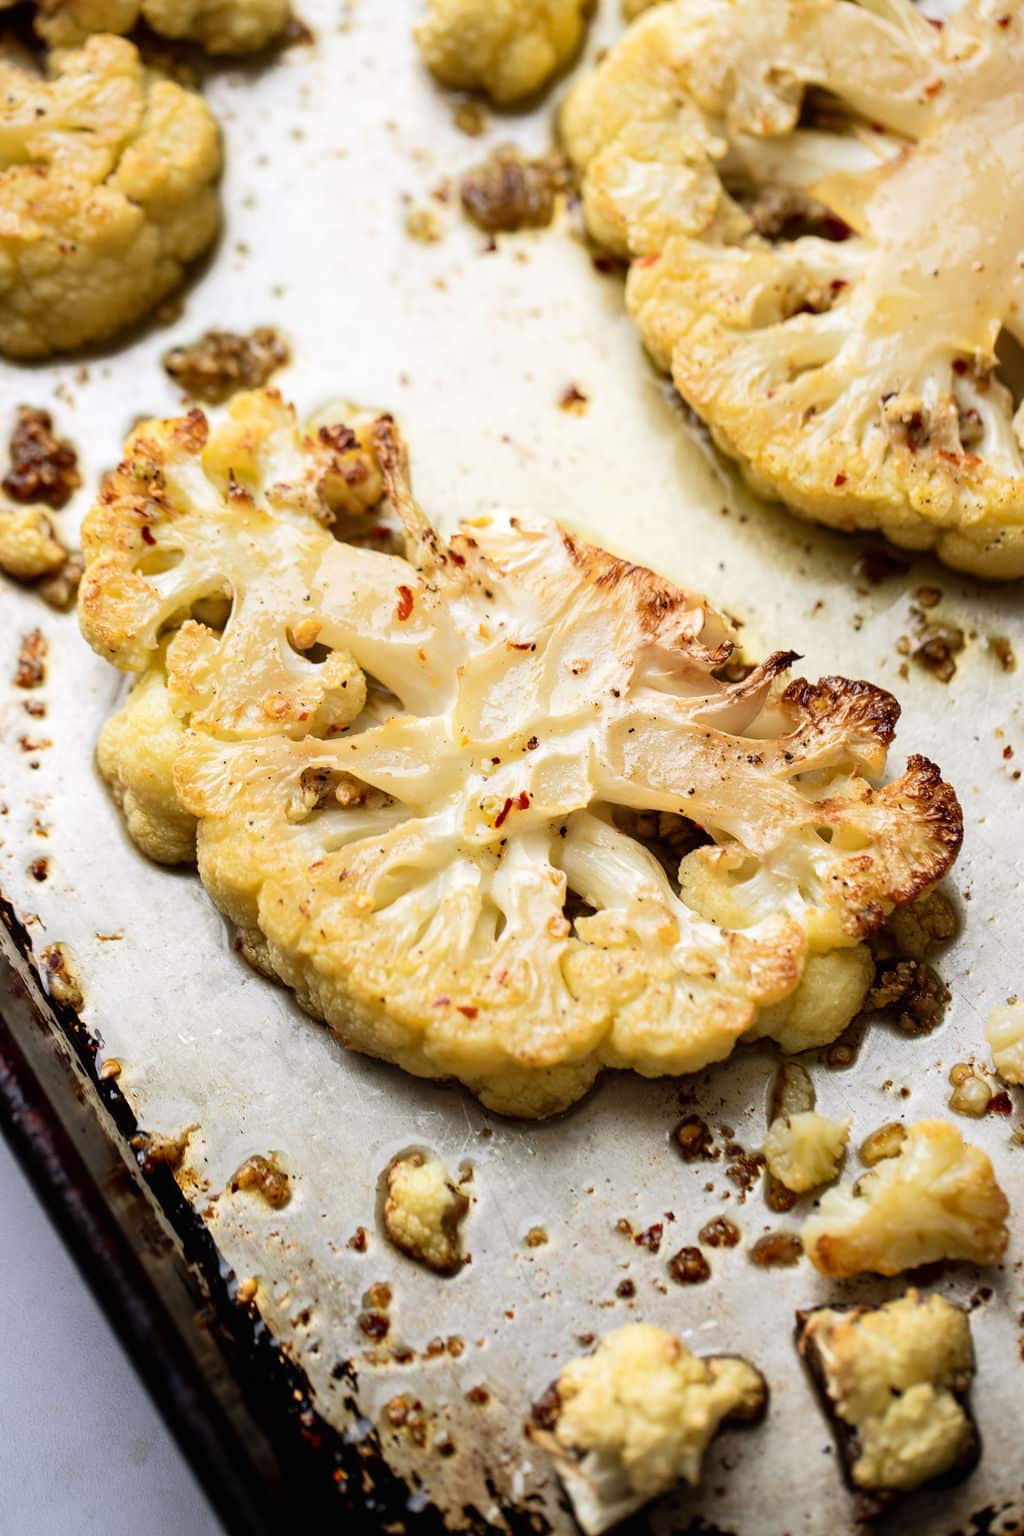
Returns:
<point x="29" y="548"/>
<point x="106" y="192"/>
<point x="508" y="48"/>
<point x="894" y="1380"/>
<point x="406" y="771"/>
<point x="937" y="1198"/>
<point x="220" y="26"/>
<point x="1004" y="1032"/>
<point x="804" y="1151"/>
<point x="424" y="1212"/>
<point x="628" y="1422"/>
<point x="855" y="378"/>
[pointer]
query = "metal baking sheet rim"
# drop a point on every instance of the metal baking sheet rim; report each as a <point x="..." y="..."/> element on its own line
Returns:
<point x="328" y="148"/>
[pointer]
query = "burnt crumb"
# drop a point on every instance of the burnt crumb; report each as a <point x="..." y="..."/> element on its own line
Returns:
<point x="507" y="192"/>
<point x="39" y="869"/>
<point x="164" y="1151"/>
<point x="536" y="1237"/>
<point x="1000" y="647"/>
<point x="719" y="1233"/>
<point x="478" y="1396"/>
<point x="60" y="588"/>
<point x="573" y="400"/>
<point x="470" y="118"/>
<point x="777" y="1197"/>
<point x="265" y="1178"/>
<point x="878" y="565"/>
<point x="911" y="994"/>
<point x="548" y="1407"/>
<point x="222" y="362"/>
<point x="43" y="467"/>
<point x="777" y="1250"/>
<point x="375" y="1325"/>
<point x="650" y="1237"/>
<point x="409" y="1414"/>
<point x="358" y="1241"/>
<point x="64" y="986"/>
<point x="932" y="644"/>
<point x="689" y="1267"/>
<point x="744" y="1169"/>
<point x="1000" y="1103"/>
<point x="297" y="33"/>
<point x="625" y="1290"/>
<point x="693" y="1141"/>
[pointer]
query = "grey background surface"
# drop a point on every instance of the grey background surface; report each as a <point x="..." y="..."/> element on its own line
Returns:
<point x="82" y="1449"/>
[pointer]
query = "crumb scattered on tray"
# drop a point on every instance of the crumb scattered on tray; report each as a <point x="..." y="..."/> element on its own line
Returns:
<point x="221" y="363"/>
<point x="508" y="192"/>
<point x="43" y="467"/>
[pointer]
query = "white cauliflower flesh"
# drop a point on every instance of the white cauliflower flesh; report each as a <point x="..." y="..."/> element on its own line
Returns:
<point x="635" y="1418"/>
<point x="136" y="754"/>
<point x="107" y="192"/>
<point x="424" y="1211"/>
<point x="937" y="1198"/>
<point x="895" y="1380"/>
<point x="221" y="26"/>
<point x="29" y="547"/>
<point x="1004" y="1032"/>
<point x="418" y="780"/>
<point x="804" y="1151"/>
<point x="508" y="48"/>
<point x="827" y="275"/>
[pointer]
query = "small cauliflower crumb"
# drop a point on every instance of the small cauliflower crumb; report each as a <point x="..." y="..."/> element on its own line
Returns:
<point x="628" y="1422"/>
<point x="107" y="192"/>
<point x="1004" y="1032"/>
<point x="29" y="548"/>
<point x="894" y="1379"/>
<point x="937" y="1198"/>
<point x="805" y="1150"/>
<point x="424" y="1212"/>
<point x="220" y="26"/>
<point x="508" y="48"/>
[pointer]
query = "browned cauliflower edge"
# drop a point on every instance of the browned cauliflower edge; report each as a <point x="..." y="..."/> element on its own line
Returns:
<point x="820" y="200"/>
<point x="508" y="48"/>
<point x="220" y="26"/>
<point x="894" y="1381"/>
<point x="630" y="1421"/>
<point x="416" y="781"/>
<point x="107" y="192"/>
<point x="935" y="1198"/>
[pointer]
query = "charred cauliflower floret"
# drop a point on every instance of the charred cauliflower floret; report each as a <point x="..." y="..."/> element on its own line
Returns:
<point x="508" y="48"/>
<point x="106" y="192"/>
<point x="409" y="773"/>
<point x="1004" y="1032"/>
<point x="894" y="1380"/>
<point x="220" y="26"/>
<point x="823" y="203"/>
<point x="937" y="1198"/>
<point x="804" y="1151"/>
<point x="628" y="1422"/>
<point x="424" y="1212"/>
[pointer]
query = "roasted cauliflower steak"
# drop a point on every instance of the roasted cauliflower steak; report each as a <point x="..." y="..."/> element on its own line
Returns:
<point x="220" y="26"/>
<point x="416" y="780"/>
<point x="822" y="201"/>
<point x="107" y="192"/>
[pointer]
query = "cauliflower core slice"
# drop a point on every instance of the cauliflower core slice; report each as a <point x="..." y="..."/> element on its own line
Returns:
<point x="106" y="192"/>
<point x="894" y="1380"/>
<point x="1004" y="1032"/>
<point x="937" y="1198"/>
<point x="508" y="48"/>
<point x="856" y="378"/>
<point x="221" y="26"/>
<point x="409" y="773"/>
<point x="805" y="1150"/>
<point x="634" y="1418"/>
<point x="424" y="1212"/>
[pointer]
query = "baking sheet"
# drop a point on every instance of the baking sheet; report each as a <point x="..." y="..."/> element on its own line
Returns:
<point x="328" y="147"/>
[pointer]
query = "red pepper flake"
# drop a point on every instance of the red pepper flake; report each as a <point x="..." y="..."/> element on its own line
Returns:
<point x="839" y="480"/>
<point x="647" y="261"/>
<point x="521" y="802"/>
<point x="1002" y="21"/>
<point x="147" y="535"/>
<point x="1000" y="1104"/>
<point x="467" y="1010"/>
<point x="933" y="87"/>
<point x="524" y="800"/>
<point x="502" y="816"/>
<point x="404" y="605"/>
<point x="960" y="365"/>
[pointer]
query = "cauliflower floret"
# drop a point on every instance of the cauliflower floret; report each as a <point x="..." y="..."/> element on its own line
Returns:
<point x="828" y="290"/>
<point x="937" y="1198"/>
<point x="634" y="1418"/>
<point x="829" y="996"/>
<point x="1004" y="1032"/>
<point x="29" y="548"/>
<point x="508" y="48"/>
<point x="804" y="1151"/>
<point x="136" y="753"/>
<point x="416" y="829"/>
<point x="424" y="1212"/>
<point x="895" y="1379"/>
<point x="106" y="192"/>
<point x="221" y="26"/>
